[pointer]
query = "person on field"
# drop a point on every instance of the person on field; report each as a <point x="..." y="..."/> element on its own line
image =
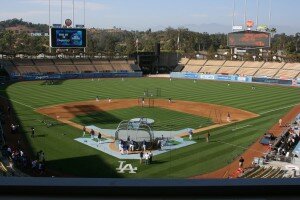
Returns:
<point x="241" y="162"/>
<point x="92" y="134"/>
<point x="32" y="132"/>
<point x="141" y="157"/>
<point x="228" y="117"/>
<point x="190" y="134"/>
<point x="83" y="131"/>
<point x="99" y="138"/>
<point x="280" y="122"/>
<point x="207" y="137"/>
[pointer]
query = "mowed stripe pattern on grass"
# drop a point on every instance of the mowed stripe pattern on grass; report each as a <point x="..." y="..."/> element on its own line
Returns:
<point x="166" y="120"/>
<point x="65" y="155"/>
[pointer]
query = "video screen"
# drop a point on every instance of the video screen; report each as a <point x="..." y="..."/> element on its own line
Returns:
<point x="249" y="39"/>
<point x="68" y="38"/>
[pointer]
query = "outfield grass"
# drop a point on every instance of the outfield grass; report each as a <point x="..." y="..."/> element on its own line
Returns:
<point x="68" y="156"/>
<point x="166" y="120"/>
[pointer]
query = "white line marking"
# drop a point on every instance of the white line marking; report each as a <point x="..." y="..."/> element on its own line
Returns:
<point x="241" y="147"/>
<point x="241" y="127"/>
<point x="19" y="103"/>
<point x="278" y="109"/>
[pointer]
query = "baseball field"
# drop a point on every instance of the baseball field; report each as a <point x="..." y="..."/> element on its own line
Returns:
<point x="265" y="104"/>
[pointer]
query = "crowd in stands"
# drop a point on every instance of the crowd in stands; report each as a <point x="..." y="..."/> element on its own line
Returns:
<point x="14" y="160"/>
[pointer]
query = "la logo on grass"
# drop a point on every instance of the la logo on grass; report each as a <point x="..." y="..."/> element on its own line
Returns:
<point x="127" y="167"/>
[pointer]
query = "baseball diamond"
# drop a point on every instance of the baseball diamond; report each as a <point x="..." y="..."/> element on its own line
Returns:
<point x="203" y="106"/>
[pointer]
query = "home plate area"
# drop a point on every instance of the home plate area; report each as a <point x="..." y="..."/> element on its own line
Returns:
<point x="168" y="139"/>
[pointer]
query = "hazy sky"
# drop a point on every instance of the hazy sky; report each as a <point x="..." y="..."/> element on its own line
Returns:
<point x="155" y="14"/>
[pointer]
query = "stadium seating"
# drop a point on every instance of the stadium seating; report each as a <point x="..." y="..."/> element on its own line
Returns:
<point x="270" y="73"/>
<point x="184" y="61"/>
<point x="63" y="62"/>
<point x="215" y="63"/>
<point x="251" y="64"/>
<point x="103" y="66"/>
<point x="43" y="62"/>
<point x="47" y="69"/>
<point x="82" y="61"/>
<point x="292" y="66"/>
<point x="122" y="66"/>
<point x="273" y="65"/>
<point x="27" y="70"/>
<point x="209" y="69"/>
<point x="191" y="68"/>
<point x="228" y="70"/>
<point x="230" y="63"/>
<point x="67" y="69"/>
<point x="287" y="74"/>
<point x="23" y="62"/>
<point x="246" y="71"/>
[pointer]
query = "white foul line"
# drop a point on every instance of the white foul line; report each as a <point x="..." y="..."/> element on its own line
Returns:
<point x="278" y="109"/>
<point x="19" y="102"/>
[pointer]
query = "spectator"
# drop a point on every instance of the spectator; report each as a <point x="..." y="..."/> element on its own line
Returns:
<point x="150" y="157"/>
<point x="144" y="145"/>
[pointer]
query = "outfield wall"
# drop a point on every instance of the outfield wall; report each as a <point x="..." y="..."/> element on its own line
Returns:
<point x="235" y="78"/>
<point x="76" y="76"/>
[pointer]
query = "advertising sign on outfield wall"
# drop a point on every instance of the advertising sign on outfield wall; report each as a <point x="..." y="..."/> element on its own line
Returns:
<point x="226" y="78"/>
<point x="207" y="76"/>
<point x="191" y="75"/>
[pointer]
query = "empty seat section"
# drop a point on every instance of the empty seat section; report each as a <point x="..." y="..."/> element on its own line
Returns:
<point x="50" y="69"/>
<point x="82" y="62"/>
<point x="183" y="61"/>
<point x="86" y="68"/>
<point x="292" y="66"/>
<point x="231" y="63"/>
<point x="273" y="65"/>
<point x="209" y="69"/>
<point x="63" y="62"/>
<point x="23" y="62"/>
<point x="12" y="70"/>
<point x="121" y="65"/>
<point x="197" y="62"/>
<point x="43" y="62"/>
<point x="246" y="71"/>
<point x="251" y="64"/>
<point x="67" y="68"/>
<point x="287" y="74"/>
<point x="191" y="68"/>
<point x="266" y="73"/>
<point x="215" y="63"/>
<point x="103" y="66"/>
<point x="27" y="69"/>
<point x="228" y="70"/>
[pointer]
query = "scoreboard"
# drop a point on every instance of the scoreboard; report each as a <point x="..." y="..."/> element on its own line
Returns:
<point x="249" y="39"/>
<point x="68" y="38"/>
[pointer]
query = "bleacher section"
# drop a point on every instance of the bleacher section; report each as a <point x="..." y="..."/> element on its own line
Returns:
<point x="246" y="71"/>
<point x="183" y="61"/>
<point x="280" y="70"/>
<point x="103" y="66"/>
<point x="22" y="67"/>
<point x="194" y="66"/>
<point x="209" y="69"/>
<point x="121" y="66"/>
<point x="287" y="74"/>
<point x="264" y="172"/>
<point x="250" y="64"/>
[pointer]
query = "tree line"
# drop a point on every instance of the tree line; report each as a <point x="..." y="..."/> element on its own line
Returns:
<point x="122" y="42"/>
